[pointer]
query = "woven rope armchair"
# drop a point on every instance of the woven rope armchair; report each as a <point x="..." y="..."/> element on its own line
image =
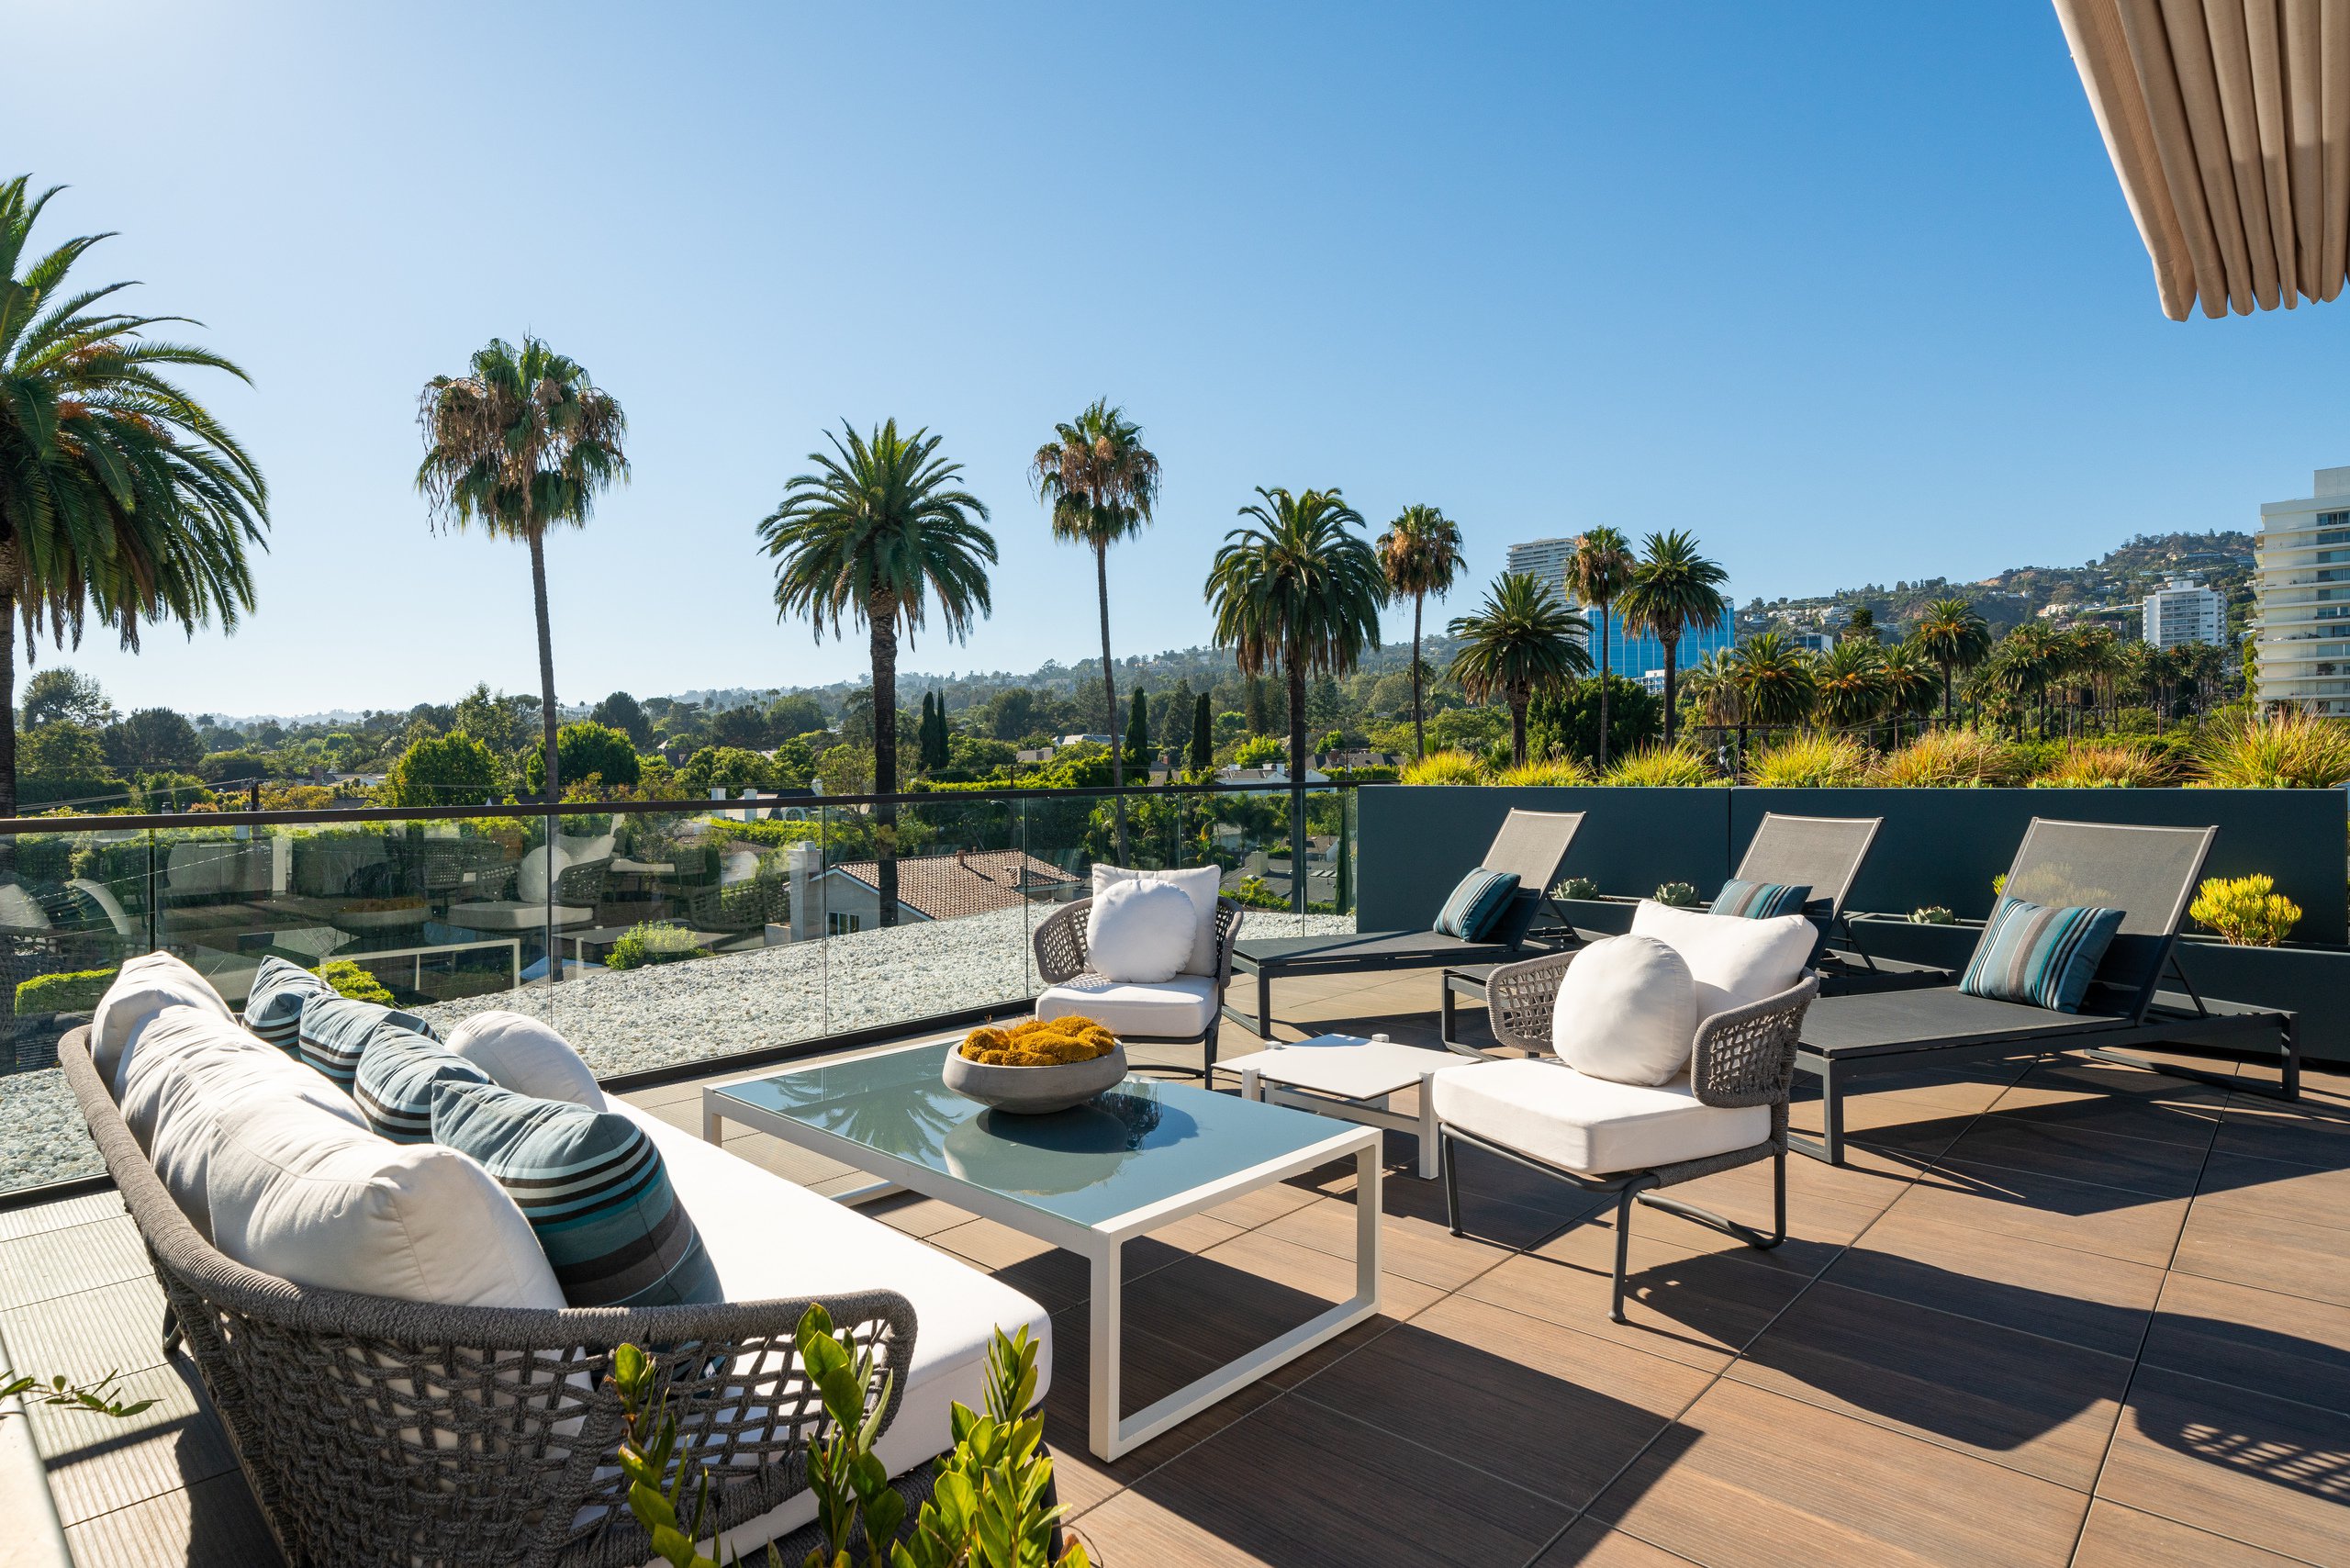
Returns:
<point x="1061" y="959"/>
<point x="1740" y="1058"/>
<point x="397" y="1432"/>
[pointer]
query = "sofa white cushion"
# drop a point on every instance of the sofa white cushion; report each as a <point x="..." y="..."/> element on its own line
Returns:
<point x="1571" y="1120"/>
<point x="189" y="1071"/>
<point x="530" y="876"/>
<point x="1140" y="931"/>
<point x="20" y="910"/>
<point x="1177" y="1009"/>
<point x="294" y="1191"/>
<point x="1735" y="962"/>
<point x="1626" y="1010"/>
<point x="526" y="1055"/>
<point x="147" y="985"/>
<point x="742" y="1213"/>
<point x="1201" y="882"/>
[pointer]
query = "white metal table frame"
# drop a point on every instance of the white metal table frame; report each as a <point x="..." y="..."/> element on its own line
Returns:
<point x="1374" y="1111"/>
<point x="1109" y="1434"/>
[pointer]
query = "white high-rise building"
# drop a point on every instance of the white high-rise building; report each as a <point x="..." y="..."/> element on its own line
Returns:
<point x="2303" y="627"/>
<point x="1545" y="558"/>
<point x="2183" y="611"/>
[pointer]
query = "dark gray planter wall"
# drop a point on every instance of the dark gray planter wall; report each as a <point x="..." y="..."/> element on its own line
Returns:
<point x="1943" y="846"/>
<point x="1417" y="840"/>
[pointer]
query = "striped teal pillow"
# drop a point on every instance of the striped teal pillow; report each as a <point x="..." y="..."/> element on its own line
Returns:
<point x="397" y="1072"/>
<point x="1760" y="901"/>
<point x="2038" y="955"/>
<point x="1476" y="904"/>
<point x="273" y="1004"/>
<point x="594" y="1189"/>
<point x="334" y="1030"/>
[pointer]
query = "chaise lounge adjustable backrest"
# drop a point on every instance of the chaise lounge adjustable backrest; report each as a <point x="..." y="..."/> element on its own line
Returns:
<point x="2148" y="873"/>
<point x="1823" y="853"/>
<point x="1532" y="844"/>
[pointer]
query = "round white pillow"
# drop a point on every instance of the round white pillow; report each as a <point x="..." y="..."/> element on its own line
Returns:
<point x="1140" y="933"/>
<point x="526" y="1055"/>
<point x="1626" y="1012"/>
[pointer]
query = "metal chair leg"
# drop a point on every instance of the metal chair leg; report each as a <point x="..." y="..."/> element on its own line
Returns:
<point x="1451" y="1163"/>
<point x="172" y="1338"/>
<point x="1632" y="1189"/>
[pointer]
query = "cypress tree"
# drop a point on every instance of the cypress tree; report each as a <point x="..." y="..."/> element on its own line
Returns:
<point x="1203" y="736"/>
<point x="1138" y="731"/>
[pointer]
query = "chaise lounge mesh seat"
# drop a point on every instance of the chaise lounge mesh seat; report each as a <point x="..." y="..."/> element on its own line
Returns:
<point x="1532" y="844"/>
<point x="2148" y="873"/>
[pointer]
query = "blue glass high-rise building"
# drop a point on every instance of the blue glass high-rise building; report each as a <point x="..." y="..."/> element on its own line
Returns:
<point x="1635" y="655"/>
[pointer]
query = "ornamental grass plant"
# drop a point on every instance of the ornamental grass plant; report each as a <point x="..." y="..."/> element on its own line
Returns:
<point x="1948" y="759"/>
<point x="2285" y="750"/>
<point x="1443" y="767"/>
<point x="2108" y="764"/>
<point x="1809" y="761"/>
<point x="1677" y="765"/>
<point x="1557" y="770"/>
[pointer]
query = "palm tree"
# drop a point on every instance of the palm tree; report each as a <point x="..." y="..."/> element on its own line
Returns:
<point x="1523" y="641"/>
<point x="1910" y="684"/>
<point x="1854" y="691"/>
<point x="1420" y="552"/>
<point x="1297" y="592"/>
<point x="2021" y="667"/>
<point x="120" y="495"/>
<point x="1711" y="686"/>
<point x="1672" y="589"/>
<point x="1597" y="573"/>
<point x="1953" y="633"/>
<point x="1774" y="681"/>
<point x="871" y="536"/>
<point x="1100" y="482"/>
<point x="521" y="444"/>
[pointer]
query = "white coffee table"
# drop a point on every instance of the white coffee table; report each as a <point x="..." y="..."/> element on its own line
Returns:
<point x="1351" y="1078"/>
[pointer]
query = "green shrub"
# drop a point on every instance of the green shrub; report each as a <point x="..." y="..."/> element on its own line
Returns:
<point x="1949" y="760"/>
<point x="2247" y="912"/>
<point x="349" y="979"/>
<point x="2120" y="765"/>
<point x="1259" y="751"/>
<point x="447" y="771"/>
<point x="1680" y="765"/>
<point x="1442" y="767"/>
<point x="2285" y="750"/>
<point x="1809" y="762"/>
<point x="76" y="993"/>
<point x="653" y="942"/>
<point x="1563" y="771"/>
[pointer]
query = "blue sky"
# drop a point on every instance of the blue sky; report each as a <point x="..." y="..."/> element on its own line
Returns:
<point x="1848" y="290"/>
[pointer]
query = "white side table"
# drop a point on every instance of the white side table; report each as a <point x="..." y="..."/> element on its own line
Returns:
<point x="1351" y="1078"/>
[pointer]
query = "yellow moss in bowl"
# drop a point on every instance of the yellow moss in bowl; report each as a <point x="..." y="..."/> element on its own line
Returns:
<point x="1039" y="1042"/>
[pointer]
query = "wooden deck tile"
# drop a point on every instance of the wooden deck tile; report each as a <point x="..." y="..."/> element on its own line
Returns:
<point x="2267" y="1253"/>
<point x="2265" y="1470"/>
<point x="2076" y="1152"/>
<point x="214" y="1524"/>
<point x="2116" y="1537"/>
<point x="2253" y="1338"/>
<point x="96" y="1465"/>
<point x="2007" y="1202"/>
<point x="61" y="1262"/>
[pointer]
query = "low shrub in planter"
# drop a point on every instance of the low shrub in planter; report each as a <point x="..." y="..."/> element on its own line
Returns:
<point x="1680" y="765"/>
<point x="349" y="979"/>
<point x="2287" y="750"/>
<point x="1809" y="762"/>
<point x="76" y="993"/>
<point x="1559" y="770"/>
<point x="2247" y="912"/>
<point x="1443" y="767"/>
<point x="1676" y="895"/>
<point x="2111" y="766"/>
<point x="1576" y="888"/>
<point x="1948" y="759"/>
<point x="653" y="942"/>
<point x="1932" y="914"/>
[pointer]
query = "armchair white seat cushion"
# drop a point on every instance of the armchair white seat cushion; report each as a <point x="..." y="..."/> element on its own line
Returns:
<point x="1735" y="962"/>
<point x="1551" y="1112"/>
<point x="1202" y="883"/>
<point x="513" y="914"/>
<point x="1177" y="1009"/>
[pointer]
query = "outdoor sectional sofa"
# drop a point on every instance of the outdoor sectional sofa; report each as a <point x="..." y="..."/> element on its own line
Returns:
<point x="383" y="1430"/>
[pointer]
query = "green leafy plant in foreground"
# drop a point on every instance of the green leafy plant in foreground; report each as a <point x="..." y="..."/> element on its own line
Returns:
<point x="97" y="1396"/>
<point x="988" y="1510"/>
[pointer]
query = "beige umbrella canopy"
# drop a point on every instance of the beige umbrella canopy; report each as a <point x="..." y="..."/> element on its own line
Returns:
<point x="2229" y="122"/>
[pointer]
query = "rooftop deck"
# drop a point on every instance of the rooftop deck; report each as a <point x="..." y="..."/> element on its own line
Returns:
<point x="2053" y="1313"/>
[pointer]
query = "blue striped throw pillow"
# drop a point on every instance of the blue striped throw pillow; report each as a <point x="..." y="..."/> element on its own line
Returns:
<point x="594" y="1189"/>
<point x="1476" y="904"/>
<point x="397" y="1072"/>
<point x="273" y="1004"/>
<point x="334" y="1031"/>
<point x="2038" y="955"/>
<point x="1760" y="901"/>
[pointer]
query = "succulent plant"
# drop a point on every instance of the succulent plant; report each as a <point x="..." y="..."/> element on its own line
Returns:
<point x="1932" y="914"/>
<point x="1576" y="888"/>
<point x="1676" y="895"/>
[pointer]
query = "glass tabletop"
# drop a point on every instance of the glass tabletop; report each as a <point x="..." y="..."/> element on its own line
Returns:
<point x="1140" y="1144"/>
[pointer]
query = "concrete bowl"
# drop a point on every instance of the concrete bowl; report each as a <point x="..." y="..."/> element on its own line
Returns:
<point x="1034" y="1090"/>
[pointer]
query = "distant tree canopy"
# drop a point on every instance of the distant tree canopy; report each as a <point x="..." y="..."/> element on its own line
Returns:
<point x="502" y="722"/>
<point x="152" y="740"/>
<point x="796" y="714"/>
<point x="63" y="763"/>
<point x="445" y="770"/>
<point x="582" y="750"/>
<point x="731" y="767"/>
<point x="620" y="712"/>
<point x="236" y="767"/>
<point x="67" y="695"/>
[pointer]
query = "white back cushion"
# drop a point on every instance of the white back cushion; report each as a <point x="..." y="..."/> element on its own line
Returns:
<point x="1200" y="883"/>
<point x="20" y="910"/>
<point x="190" y="1070"/>
<point x="530" y="876"/>
<point x="296" y="1191"/>
<point x="526" y="1055"/>
<point x="1140" y="931"/>
<point x="1626" y="1012"/>
<point x="1734" y="960"/>
<point x="147" y="985"/>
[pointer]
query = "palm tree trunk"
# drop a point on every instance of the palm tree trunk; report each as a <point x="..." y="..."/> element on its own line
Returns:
<point x="1419" y="730"/>
<point x="1296" y="783"/>
<point x="1110" y="694"/>
<point x="546" y="666"/>
<point x="1603" y="685"/>
<point x="7" y="720"/>
<point x="1672" y="647"/>
<point x="1946" y="695"/>
<point x="881" y="620"/>
<point x="1517" y="732"/>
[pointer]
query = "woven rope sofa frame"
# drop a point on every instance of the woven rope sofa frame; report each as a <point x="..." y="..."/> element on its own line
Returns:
<point x="373" y="1430"/>
<point x="1059" y="944"/>
<point x="1744" y="1056"/>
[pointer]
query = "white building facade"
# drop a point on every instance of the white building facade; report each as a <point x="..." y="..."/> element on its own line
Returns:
<point x="2182" y="611"/>
<point x="1543" y="558"/>
<point x="2303" y="627"/>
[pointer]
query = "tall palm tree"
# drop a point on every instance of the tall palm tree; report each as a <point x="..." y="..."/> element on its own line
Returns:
<point x="1776" y="684"/>
<point x="1911" y="684"/>
<point x="521" y="442"/>
<point x="121" y="496"/>
<point x="1420" y="553"/>
<point x="1523" y="640"/>
<point x="2022" y="667"/>
<point x="1673" y="590"/>
<point x="1711" y="685"/>
<point x="1953" y="633"/>
<point x="1597" y="573"/>
<point x="871" y="536"/>
<point x="1854" y="691"/>
<point x="1299" y="592"/>
<point x="1102" y="483"/>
